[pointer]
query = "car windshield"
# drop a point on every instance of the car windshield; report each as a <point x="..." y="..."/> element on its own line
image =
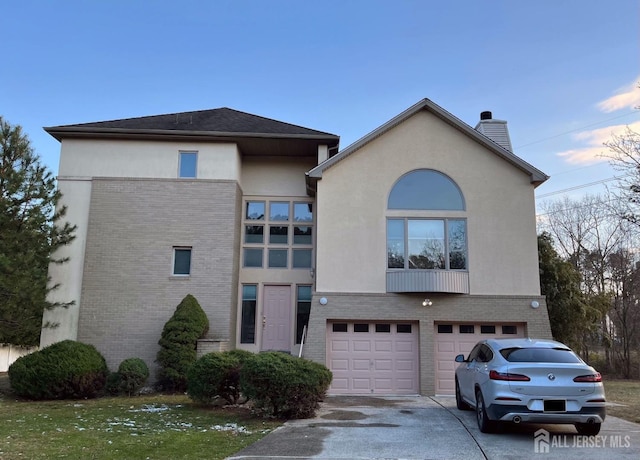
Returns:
<point x="539" y="355"/>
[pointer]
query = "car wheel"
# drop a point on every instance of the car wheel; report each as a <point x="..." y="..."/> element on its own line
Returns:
<point x="588" y="429"/>
<point x="485" y="425"/>
<point x="460" y="404"/>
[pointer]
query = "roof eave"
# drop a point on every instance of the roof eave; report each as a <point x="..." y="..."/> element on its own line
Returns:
<point x="537" y="176"/>
<point x="61" y="132"/>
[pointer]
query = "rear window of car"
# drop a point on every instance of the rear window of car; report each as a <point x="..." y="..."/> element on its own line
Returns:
<point x="539" y="355"/>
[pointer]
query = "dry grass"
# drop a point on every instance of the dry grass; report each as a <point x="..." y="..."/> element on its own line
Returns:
<point x="627" y="393"/>
<point x="143" y="427"/>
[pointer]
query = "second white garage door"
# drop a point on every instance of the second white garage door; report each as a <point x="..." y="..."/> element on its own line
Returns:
<point x="373" y="358"/>
<point x="453" y="339"/>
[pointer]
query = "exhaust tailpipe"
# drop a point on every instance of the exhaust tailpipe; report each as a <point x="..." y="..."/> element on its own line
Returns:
<point x="517" y="419"/>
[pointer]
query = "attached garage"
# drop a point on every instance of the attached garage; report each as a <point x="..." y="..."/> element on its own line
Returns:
<point x="452" y="339"/>
<point x="373" y="357"/>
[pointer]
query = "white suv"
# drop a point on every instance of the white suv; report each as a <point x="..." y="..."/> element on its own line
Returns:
<point x="529" y="380"/>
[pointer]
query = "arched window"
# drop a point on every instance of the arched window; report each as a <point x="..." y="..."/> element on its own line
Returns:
<point x="426" y="189"/>
<point x="426" y="243"/>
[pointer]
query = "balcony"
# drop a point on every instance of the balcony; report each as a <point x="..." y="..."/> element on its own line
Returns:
<point x="449" y="281"/>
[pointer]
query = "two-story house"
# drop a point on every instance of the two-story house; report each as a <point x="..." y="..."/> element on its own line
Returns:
<point x="381" y="261"/>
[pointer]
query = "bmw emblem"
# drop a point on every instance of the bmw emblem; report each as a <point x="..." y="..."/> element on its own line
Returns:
<point x="551" y="377"/>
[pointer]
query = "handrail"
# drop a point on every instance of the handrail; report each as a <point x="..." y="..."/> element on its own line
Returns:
<point x="304" y="333"/>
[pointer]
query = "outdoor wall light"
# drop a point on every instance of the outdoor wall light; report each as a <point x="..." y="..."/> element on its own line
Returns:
<point x="427" y="303"/>
<point x="535" y="304"/>
<point x="323" y="301"/>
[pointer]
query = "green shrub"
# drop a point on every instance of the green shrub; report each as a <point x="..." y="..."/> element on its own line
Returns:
<point x="178" y="344"/>
<point x="215" y="375"/>
<point x="284" y="386"/>
<point x="112" y="386"/>
<point x="133" y="374"/>
<point x="64" y="370"/>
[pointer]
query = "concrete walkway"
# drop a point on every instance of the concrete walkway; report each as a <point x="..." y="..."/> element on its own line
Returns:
<point x="428" y="428"/>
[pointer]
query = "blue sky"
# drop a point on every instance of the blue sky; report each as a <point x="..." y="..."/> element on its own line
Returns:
<point x="564" y="74"/>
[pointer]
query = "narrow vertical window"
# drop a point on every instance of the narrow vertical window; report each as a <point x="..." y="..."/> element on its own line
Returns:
<point x="248" y="321"/>
<point x="188" y="164"/>
<point x="395" y="243"/>
<point x="303" y="309"/>
<point x="181" y="261"/>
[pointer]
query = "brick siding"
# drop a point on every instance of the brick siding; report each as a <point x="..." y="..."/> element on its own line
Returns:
<point x="402" y="307"/>
<point x="128" y="291"/>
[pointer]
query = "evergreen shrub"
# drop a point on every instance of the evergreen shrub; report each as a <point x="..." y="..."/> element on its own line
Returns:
<point x="215" y="375"/>
<point x="284" y="386"/>
<point x="178" y="344"/>
<point x="64" y="370"/>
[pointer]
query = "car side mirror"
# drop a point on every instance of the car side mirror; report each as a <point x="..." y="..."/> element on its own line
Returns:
<point x="460" y="359"/>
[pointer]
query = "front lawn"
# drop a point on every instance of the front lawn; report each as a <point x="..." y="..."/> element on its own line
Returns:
<point x="143" y="427"/>
<point x="626" y="393"/>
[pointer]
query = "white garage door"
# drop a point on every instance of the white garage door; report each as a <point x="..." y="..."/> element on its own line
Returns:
<point x="453" y="339"/>
<point x="373" y="358"/>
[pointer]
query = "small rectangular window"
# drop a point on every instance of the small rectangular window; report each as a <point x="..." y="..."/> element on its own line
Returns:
<point x="445" y="329"/>
<point x="360" y="327"/>
<point x="303" y="309"/>
<point x="339" y="327"/>
<point x="278" y="234"/>
<point x="181" y="261"/>
<point x="255" y="210"/>
<point x="248" y="324"/>
<point x="466" y="329"/>
<point x="303" y="212"/>
<point x="254" y="234"/>
<point x="302" y="235"/>
<point x="188" y="164"/>
<point x="278" y="258"/>
<point x="383" y="327"/>
<point x="279" y="211"/>
<point x="403" y="328"/>
<point x="487" y="329"/>
<point x="252" y="258"/>
<point x="509" y="329"/>
<point x="302" y="258"/>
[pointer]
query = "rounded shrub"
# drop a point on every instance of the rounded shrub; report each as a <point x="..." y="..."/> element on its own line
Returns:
<point x="133" y="374"/>
<point x="112" y="386"/>
<point x="64" y="370"/>
<point x="215" y="375"/>
<point x="178" y="344"/>
<point x="281" y="385"/>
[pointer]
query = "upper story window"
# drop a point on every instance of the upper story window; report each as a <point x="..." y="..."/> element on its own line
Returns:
<point x="188" y="164"/>
<point x="278" y="234"/>
<point x="181" y="261"/>
<point x="426" y="243"/>
<point x="426" y="189"/>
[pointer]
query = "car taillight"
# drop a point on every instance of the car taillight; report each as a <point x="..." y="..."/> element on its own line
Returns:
<point x="593" y="378"/>
<point x="495" y="375"/>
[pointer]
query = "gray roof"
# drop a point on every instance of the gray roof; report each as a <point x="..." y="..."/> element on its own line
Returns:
<point x="537" y="176"/>
<point x="223" y="124"/>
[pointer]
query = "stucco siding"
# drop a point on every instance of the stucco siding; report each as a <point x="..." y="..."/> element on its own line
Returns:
<point x="128" y="291"/>
<point x="146" y="159"/>
<point x="273" y="176"/>
<point x="500" y="212"/>
<point x="76" y="195"/>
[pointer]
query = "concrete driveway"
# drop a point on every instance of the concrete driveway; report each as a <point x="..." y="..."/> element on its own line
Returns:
<point x="364" y="427"/>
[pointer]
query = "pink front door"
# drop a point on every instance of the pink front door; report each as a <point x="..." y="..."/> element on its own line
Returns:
<point x="276" y="318"/>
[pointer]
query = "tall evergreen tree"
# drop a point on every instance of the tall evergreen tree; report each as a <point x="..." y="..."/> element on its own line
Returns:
<point x="29" y="235"/>
<point x="560" y="283"/>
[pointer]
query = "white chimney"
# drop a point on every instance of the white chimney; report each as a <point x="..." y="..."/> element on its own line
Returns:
<point x="496" y="130"/>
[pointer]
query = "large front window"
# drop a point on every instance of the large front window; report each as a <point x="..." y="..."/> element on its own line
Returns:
<point x="427" y="244"/>
<point x="278" y="234"/>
